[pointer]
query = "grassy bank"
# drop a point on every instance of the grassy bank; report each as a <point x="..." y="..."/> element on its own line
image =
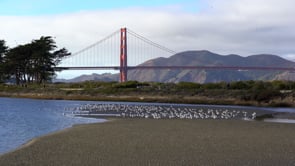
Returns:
<point x="162" y="142"/>
<point x="240" y="93"/>
<point x="197" y="99"/>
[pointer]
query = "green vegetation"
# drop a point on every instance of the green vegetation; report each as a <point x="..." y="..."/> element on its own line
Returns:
<point x="162" y="142"/>
<point x="30" y="63"/>
<point x="276" y="93"/>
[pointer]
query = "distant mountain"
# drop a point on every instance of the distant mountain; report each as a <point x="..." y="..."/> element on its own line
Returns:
<point x="203" y="58"/>
<point x="106" y="77"/>
<point x="206" y="58"/>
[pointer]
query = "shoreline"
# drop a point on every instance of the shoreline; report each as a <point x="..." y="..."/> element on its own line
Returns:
<point x="279" y="118"/>
<point x="151" y="99"/>
<point x="126" y="129"/>
<point x="33" y="140"/>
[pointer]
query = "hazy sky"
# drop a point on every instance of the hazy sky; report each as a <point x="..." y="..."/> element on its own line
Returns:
<point x="243" y="27"/>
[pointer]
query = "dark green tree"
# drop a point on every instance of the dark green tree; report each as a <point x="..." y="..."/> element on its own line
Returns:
<point x="34" y="62"/>
<point x="3" y="50"/>
<point x="45" y="57"/>
<point x="16" y="63"/>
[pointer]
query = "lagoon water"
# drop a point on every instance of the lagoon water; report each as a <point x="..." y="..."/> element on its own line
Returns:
<point x="24" y="119"/>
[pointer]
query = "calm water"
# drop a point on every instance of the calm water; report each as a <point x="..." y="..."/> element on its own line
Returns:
<point x="24" y="119"/>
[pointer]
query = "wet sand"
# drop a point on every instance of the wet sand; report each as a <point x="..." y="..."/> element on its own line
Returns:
<point x="162" y="142"/>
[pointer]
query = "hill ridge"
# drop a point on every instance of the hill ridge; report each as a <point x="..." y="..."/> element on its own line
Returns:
<point x="204" y="58"/>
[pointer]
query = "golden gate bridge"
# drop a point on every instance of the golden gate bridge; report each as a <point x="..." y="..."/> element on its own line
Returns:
<point x="126" y="50"/>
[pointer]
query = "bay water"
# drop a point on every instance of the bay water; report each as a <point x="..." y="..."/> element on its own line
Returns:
<point x="24" y="119"/>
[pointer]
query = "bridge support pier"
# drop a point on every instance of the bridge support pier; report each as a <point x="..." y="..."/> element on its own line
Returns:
<point x="123" y="56"/>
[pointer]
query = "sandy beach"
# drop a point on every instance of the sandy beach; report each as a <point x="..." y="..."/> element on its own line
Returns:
<point x="162" y="142"/>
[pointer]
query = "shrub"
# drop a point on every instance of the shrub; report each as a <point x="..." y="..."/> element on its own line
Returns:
<point x="188" y="85"/>
<point x="265" y="95"/>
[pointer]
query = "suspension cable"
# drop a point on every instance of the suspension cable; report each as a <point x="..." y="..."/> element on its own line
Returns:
<point x="150" y="42"/>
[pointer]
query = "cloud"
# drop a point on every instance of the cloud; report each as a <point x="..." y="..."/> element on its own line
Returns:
<point x="249" y="27"/>
<point x="242" y="27"/>
<point x="290" y="57"/>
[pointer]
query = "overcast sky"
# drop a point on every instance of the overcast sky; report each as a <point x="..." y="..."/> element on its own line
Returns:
<point x="243" y="27"/>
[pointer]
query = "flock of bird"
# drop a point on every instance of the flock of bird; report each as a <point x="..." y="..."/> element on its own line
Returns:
<point x="162" y="111"/>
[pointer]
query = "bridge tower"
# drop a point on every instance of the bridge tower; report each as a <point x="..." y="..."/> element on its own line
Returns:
<point x="123" y="55"/>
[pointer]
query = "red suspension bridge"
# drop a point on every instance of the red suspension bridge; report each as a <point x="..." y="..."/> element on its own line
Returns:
<point x="132" y="50"/>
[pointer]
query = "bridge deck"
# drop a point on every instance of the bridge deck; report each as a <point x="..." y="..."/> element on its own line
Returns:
<point x="179" y="67"/>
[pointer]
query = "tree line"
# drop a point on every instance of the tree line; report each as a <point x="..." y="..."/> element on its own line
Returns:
<point x="33" y="62"/>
